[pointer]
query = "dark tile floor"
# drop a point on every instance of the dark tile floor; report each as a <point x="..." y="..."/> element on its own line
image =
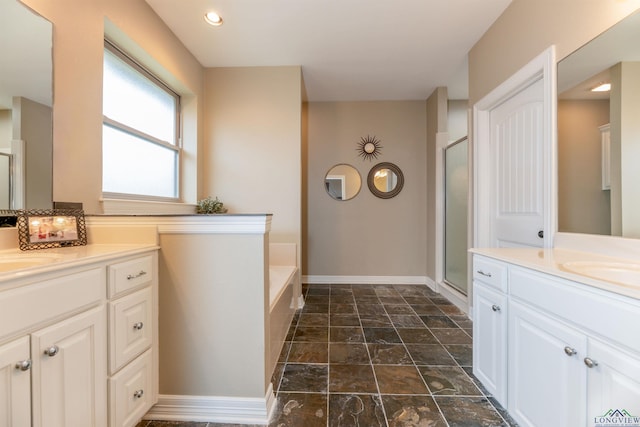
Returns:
<point x="377" y="355"/>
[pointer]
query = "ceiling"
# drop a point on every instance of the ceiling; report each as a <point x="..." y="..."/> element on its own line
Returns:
<point x="349" y="50"/>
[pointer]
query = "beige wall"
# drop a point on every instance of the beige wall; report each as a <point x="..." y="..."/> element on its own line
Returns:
<point x="583" y="207"/>
<point x="78" y="34"/>
<point x="436" y="116"/>
<point x="527" y="27"/>
<point x="252" y="147"/>
<point x="366" y="236"/>
<point x="214" y="307"/>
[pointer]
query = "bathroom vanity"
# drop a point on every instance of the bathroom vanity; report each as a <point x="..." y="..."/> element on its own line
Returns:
<point x="555" y="341"/>
<point x="78" y="335"/>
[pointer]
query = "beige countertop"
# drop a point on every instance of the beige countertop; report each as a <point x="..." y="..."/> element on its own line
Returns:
<point x="15" y="263"/>
<point x="555" y="262"/>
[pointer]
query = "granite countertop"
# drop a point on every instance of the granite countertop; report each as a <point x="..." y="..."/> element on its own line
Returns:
<point x="15" y="263"/>
<point x="553" y="261"/>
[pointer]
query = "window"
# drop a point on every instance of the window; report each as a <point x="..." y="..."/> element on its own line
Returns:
<point x="140" y="131"/>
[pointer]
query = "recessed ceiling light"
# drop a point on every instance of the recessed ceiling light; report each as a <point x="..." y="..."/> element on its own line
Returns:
<point x="213" y="18"/>
<point x="603" y="87"/>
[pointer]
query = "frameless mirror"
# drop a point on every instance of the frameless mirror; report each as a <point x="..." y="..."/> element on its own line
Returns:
<point x="385" y="180"/>
<point x="342" y="182"/>
<point x="26" y="104"/>
<point x="598" y="134"/>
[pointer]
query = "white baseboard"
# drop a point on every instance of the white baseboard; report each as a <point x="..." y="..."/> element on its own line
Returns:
<point x="361" y="280"/>
<point x="215" y="409"/>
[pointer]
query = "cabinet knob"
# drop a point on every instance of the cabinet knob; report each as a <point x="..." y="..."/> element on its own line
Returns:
<point x="135" y="276"/>
<point x="495" y="307"/>
<point x="24" y="365"/>
<point x="541" y="234"/>
<point x="52" y="351"/>
<point x="570" y="351"/>
<point x="138" y="394"/>
<point x="590" y="362"/>
<point x="137" y="326"/>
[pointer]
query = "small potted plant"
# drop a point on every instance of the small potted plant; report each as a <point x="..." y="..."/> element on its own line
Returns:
<point x="210" y="206"/>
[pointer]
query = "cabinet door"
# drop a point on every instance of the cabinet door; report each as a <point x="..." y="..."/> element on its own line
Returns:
<point x="613" y="381"/>
<point x="15" y="384"/>
<point x="490" y="340"/>
<point x="69" y="372"/>
<point x="547" y="380"/>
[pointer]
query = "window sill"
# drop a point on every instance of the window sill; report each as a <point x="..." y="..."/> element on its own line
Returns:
<point x="145" y="207"/>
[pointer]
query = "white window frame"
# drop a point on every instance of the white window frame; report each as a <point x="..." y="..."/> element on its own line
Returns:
<point x="176" y="147"/>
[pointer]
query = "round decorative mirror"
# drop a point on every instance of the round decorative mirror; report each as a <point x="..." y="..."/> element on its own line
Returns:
<point x="342" y="182"/>
<point x="385" y="180"/>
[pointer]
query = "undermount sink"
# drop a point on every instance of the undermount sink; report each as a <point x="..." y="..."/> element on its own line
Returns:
<point x="623" y="273"/>
<point x="18" y="262"/>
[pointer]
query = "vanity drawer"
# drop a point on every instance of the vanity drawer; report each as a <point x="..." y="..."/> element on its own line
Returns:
<point x="130" y="327"/>
<point x="128" y="275"/>
<point x="614" y="318"/>
<point x="131" y="392"/>
<point x="490" y="272"/>
<point x="33" y="304"/>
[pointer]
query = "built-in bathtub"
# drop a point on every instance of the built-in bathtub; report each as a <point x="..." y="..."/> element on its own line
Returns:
<point x="284" y="296"/>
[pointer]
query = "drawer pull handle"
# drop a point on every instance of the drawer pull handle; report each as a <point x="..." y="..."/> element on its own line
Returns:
<point x="135" y="276"/>
<point x="590" y="362"/>
<point x="138" y="394"/>
<point x="482" y="273"/>
<point x="137" y="326"/>
<point x="51" y="351"/>
<point x="24" y="365"/>
<point x="495" y="307"/>
<point x="570" y="351"/>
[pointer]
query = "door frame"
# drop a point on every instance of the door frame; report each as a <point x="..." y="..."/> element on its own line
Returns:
<point x="542" y="67"/>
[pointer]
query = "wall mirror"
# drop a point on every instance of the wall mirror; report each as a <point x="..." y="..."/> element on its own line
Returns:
<point x="598" y="191"/>
<point x="385" y="180"/>
<point x="342" y="182"/>
<point x="26" y="106"/>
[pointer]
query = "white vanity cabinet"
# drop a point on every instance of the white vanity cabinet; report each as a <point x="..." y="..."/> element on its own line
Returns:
<point x="490" y="311"/>
<point x="133" y="356"/>
<point x="59" y="355"/>
<point x="69" y="345"/>
<point x="573" y="351"/>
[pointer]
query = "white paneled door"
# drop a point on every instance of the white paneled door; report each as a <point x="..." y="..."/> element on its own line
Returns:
<point x="514" y="159"/>
<point x="517" y="178"/>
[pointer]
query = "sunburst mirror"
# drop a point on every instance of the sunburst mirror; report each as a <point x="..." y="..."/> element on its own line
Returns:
<point x="369" y="147"/>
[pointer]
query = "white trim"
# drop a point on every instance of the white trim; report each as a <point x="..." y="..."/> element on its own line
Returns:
<point x="193" y="224"/>
<point x="362" y="280"/>
<point x="215" y="409"/>
<point x="543" y="67"/>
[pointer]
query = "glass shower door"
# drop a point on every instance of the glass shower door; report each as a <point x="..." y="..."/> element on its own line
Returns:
<point x="456" y="209"/>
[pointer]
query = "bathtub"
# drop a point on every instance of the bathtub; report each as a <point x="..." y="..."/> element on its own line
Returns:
<point x="284" y="296"/>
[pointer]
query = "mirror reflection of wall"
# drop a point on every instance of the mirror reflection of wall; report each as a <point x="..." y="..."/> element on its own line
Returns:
<point x="342" y="182"/>
<point x="5" y="181"/>
<point x="26" y="102"/>
<point x="584" y="206"/>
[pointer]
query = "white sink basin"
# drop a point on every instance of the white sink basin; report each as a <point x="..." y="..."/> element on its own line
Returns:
<point x="18" y="262"/>
<point x="623" y="273"/>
